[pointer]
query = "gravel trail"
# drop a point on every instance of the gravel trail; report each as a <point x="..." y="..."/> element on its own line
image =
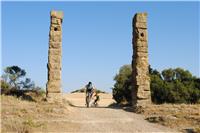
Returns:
<point x="104" y="119"/>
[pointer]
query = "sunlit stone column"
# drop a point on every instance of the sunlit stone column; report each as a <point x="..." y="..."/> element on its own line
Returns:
<point x="55" y="57"/>
<point x="141" y="94"/>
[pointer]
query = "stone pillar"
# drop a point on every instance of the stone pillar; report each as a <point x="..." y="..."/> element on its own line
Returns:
<point x="53" y="89"/>
<point x="141" y="94"/>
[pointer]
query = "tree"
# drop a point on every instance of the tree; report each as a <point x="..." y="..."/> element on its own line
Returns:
<point x="168" y="74"/>
<point x="122" y="87"/>
<point x="14" y="73"/>
<point x="27" y="84"/>
<point x="182" y="75"/>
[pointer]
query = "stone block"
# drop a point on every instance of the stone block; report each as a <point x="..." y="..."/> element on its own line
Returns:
<point x="57" y="14"/>
<point x="56" y="21"/>
<point x="141" y="49"/>
<point x="141" y="63"/>
<point x="54" y="75"/>
<point x="140" y="43"/>
<point x="142" y="80"/>
<point x="145" y="86"/>
<point x="56" y="29"/>
<point x="143" y="102"/>
<point x="55" y="38"/>
<point x="54" y="51"/>
<point x="141" y="17"/>
<point x="54" y="66"/>
<point x="141" y="34"/>
<point x="54" y="97"/>
<point x="141" y="55"/>
<point x="141" y="94"/>
<point x="54" y="33"/>
<point x="142" y="25"/>
<point x="55" y="45"/>
<point x="54" y="86"/>
<point x="55" y="59"/>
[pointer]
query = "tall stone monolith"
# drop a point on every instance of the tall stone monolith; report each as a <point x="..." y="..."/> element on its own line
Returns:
<point x="55" y="57"/>
<point x="141" y="94"/>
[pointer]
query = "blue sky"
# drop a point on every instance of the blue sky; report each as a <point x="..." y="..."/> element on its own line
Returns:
<point x="97" y="38"/>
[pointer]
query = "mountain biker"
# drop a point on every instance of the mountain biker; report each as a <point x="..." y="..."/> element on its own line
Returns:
<point x="89" y="91"/>
<point x="89" y="88"/>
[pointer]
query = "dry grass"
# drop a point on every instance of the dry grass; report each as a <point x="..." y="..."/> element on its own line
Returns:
<point x="25" y="116"/>
<point x="19" y="115"/>
<point x="183" y="117"/>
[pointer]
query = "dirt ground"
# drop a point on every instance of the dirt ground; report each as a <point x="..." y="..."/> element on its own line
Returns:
<point x="108" y="119"/>
<point x="72" y="116"/>
<point x="183" y="117"/>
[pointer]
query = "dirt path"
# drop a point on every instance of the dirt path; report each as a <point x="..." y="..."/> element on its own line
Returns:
<point x="105" y="119"/>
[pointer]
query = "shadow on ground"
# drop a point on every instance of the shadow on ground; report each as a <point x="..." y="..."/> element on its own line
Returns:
<point x="127" y="108"/>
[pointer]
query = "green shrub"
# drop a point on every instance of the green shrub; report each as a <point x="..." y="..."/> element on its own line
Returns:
<point x="122" y="87"/>
<point x="5" y="87"/>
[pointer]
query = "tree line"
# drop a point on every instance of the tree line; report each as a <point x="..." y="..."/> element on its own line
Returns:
<point x="169" y="86"/>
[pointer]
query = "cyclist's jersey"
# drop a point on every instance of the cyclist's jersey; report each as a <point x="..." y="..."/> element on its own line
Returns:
<point x="89" y="88"/>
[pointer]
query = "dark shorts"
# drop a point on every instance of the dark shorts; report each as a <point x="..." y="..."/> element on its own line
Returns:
<point x="89" y="90"/>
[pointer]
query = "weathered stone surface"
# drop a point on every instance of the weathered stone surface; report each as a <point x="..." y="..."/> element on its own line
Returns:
<point x="142" y="25"/>
<point x="55" y="75"/>
<point x="141" y="49"/>
<point x="55" y="33"/>
<point x="54" y="97"/>
<point x="142" y="94"/>
<point x="140" y="67"/>
<point x="55" y="28"/>
<point x="141" y="34"/>
<point x="57" y="14"/>
<point x="55" y="45"/>
<point x="54" y="66"/>
<point x="141" y="43"/>
<point x="54" y="86"/>
<point x="140" y="17"/>
<point x="55" y="38"/>
<point x="55" y="56"/>
<point x="55" y="51"/>
<point x="141" y="54"/>
<point x="55" y="20"/>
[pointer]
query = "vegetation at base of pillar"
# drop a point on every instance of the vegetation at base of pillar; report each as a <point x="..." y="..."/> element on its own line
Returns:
<point x="15" y="82"/>
<point x="169" y="86"/>
<point x="122" y="87"/>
